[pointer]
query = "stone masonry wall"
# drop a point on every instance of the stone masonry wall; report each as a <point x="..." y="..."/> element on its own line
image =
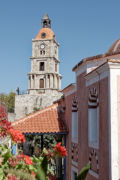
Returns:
<point x="28" y="103"/>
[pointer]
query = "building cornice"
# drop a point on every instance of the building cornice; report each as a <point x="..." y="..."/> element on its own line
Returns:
<point x="45" y="58"/>
<point x="101" y="71"/>
<point x="35" y="40"/>
<point x="46" y="73"/>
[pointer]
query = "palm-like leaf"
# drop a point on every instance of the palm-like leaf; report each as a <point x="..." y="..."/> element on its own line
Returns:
<point x="83" y="173"/>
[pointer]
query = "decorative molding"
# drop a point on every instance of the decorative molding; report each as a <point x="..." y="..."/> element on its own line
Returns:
<point x="74" y="163"/>
<point x="93" y="174"/>
<point x="94" y="153"/>
<point x="74" y="104"/>
<point x="75" y="151"/>
<point x="95" y="77"/>
<point x="93" y="117"/>
<point x="93" y="98"/>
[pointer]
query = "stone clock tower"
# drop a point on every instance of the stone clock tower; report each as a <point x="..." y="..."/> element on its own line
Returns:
<point x="44" y="78"/>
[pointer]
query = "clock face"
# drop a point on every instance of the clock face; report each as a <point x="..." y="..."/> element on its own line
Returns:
<point x="42" y="46"/>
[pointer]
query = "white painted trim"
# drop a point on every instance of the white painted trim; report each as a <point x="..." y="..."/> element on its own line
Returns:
<point x="92" y="80"/>
<point x="109" y="125"/>
<point x="81" y="69"/>
<point x="70" y="92"/>
<point x="74" y="140"/>
<point x="74" y="163"/>
<point x="94" y="77"/>
<point x="87" y="66"/>
<point x="73" y="169"/>
<point x="93" y="173"/>
<point x="114" y="65"/>
<point x="113" y="120"/>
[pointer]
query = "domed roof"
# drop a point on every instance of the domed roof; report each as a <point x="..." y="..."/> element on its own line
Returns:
<point x="45" y="33"/>
<point x="115" y="48"/>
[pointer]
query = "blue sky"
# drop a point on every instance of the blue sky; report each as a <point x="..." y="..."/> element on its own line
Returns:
<point x="82" y="27"/>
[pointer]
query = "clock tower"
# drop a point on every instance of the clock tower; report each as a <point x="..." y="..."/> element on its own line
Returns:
<point x="44" y="77"/>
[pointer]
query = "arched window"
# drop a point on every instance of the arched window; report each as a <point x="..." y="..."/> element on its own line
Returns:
<point x="41" y="83"/>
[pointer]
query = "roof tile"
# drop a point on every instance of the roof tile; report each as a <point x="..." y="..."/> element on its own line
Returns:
<point x="46" y="120"/>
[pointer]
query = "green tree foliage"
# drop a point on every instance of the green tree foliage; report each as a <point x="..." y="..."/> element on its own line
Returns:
<point x="8" y="100"/>
<point x="49" y="141"/>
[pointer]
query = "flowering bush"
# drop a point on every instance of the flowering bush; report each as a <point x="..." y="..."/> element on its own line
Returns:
<point x="20" y="166"/>
<point x="16" y="136"/>
<point x="60" y="150"/>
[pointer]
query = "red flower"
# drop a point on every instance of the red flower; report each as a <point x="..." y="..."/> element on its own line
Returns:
<point x="33" y="173"/>
<point x="4" y="124"/>
<point x="52" y="177"/>
<point x="17" y="136"/>
<point x="28" y="160"/>
<point x="13" y="162"/>
<point x="60" y="150"/>
<point x="11" y="177"/>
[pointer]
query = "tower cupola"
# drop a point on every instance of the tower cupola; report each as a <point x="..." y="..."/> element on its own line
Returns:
<point x="46" y="22"/>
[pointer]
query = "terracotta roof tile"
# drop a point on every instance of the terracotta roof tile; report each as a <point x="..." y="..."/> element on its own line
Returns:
<point x="47" y="120"/>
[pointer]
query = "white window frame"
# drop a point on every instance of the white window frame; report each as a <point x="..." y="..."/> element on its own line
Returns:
<point x="91" y="172"/>
<point x="92" y="143"/>
<point x="74" y="129"/>
<point x="73" y="170"/>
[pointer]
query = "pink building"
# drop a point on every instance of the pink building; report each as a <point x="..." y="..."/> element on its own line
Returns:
<point x="92" y="115"/>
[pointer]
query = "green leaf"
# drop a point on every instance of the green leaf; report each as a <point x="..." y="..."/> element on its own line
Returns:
<point x="19" y="166"/>
<point x="6" y="156"/>
<point x="31" y="168"/>
<point x="35" y="159"/>
<point x="40" y="175"/>
<point x="1" y="174"/>
<point x="44" y="164"/>
<point x="83" y="173"/>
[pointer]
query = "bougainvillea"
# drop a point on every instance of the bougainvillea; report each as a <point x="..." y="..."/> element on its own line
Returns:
<point x="6" y="128"/>
<point x="17" y="136"/>
<point x="15" y="160"/>
<point x="4" y="124"/>
<point x="60" y="150"/>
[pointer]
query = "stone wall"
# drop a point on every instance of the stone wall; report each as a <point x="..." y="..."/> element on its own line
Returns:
<point x="11" y="117"/>
<point x="28" y="103"/>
